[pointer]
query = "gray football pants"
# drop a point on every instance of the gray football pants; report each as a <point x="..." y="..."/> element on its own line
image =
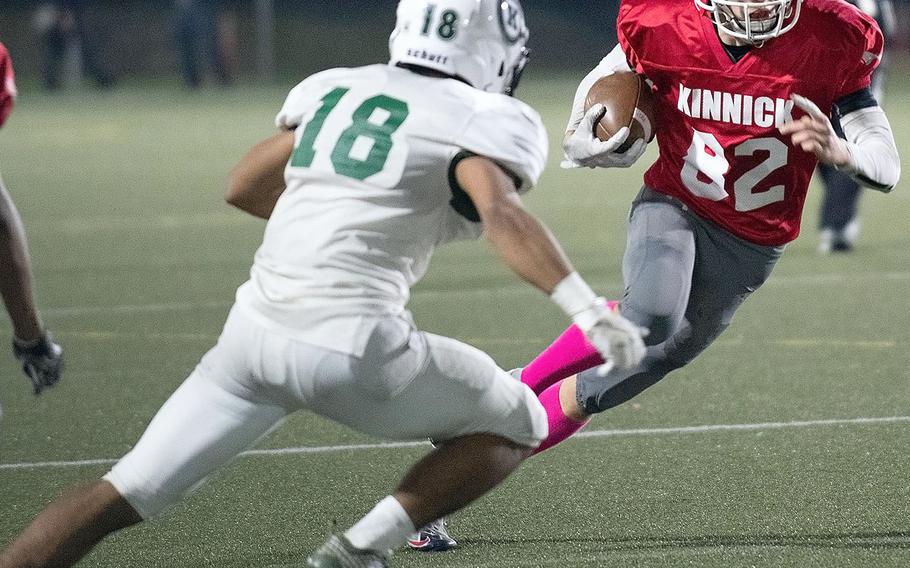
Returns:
<point x="684" y="279"/>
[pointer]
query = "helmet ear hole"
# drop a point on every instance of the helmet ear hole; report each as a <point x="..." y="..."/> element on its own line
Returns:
<point x="502" y="68"/>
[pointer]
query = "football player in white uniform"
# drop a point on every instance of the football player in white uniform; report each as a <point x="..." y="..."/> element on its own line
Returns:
<point x="371" y="170"/>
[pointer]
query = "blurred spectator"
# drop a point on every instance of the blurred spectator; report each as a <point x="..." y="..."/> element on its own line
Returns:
<point x="62" y="25"/>
<point x="198" y="41"/>
<point x="838" y="218"/>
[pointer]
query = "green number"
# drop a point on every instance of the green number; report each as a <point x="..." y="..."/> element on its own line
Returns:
<point x="305" y="152"/>
<point x="448" y="28"/>
<point x="428" y="20"/>
<point x="381" y="134"/>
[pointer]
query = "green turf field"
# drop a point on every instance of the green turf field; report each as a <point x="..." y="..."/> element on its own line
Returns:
<point x="137" y="258"/>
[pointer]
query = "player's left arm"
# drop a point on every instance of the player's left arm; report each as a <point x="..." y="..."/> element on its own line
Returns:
<point x="867" y="152"/>
<point x="257" y="181"/>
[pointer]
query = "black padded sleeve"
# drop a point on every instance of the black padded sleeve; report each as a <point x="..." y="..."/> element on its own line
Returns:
<point x="461" y="201"/>
<point x="855" y="101"/>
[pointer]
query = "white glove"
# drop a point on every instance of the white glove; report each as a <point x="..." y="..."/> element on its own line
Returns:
<point x="583" y="149"/>
<point x="618" y="340"/>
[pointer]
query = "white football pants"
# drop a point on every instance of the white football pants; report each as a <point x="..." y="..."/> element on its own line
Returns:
<point x="408" y="385"/>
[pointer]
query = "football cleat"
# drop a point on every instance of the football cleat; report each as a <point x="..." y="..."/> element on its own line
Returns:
<point x="830" y="240"/>
<point x="338" y="552"/>
<point x="825" y="241"/>
<point x="433" y="537"/>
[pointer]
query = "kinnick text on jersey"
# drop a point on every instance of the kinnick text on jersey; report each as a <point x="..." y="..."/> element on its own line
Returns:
<point x="734" y="108"/>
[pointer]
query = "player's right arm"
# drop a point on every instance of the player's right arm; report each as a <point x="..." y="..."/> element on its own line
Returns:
<point x="581" y="147"/>
<point x="615" y="61"/>
<point x="529" y="249"/>
<point x="257" y="181"/>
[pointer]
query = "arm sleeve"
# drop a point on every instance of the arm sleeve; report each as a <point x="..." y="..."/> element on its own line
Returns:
<point x="512" y="135"/>
<point x="861" y="99"/>
<point x="291" y="114"/>
<point x="613" y="62"/>
<point x="305" y="100"/>
<point x="875" y="160"/>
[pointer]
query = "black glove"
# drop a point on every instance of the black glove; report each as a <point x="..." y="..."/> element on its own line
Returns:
<point x="42" y="361"/>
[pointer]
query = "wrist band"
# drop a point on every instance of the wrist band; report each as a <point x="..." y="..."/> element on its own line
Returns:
<point x="573" y="295"/>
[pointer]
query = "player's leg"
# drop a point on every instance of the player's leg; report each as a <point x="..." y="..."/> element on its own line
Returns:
<point x="838" y="224"/>
<point x="208" y="420"/>
<point x="564" y="416"/>
<point x="657" y="268"/>
<point x="69" y="527"/>
<point x="726" y="272"/>
<point x="570" y="354"/>
<point x="660" y="250"/>
<point x="485" y="421"/>
<point x="56" y="40"/>
<point x="421" y="386"/>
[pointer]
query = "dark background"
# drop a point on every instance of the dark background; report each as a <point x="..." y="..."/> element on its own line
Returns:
<point x="135" y="38"/>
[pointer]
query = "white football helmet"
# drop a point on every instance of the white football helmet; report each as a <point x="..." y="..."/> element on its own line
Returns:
<point x="755" y="21"/>
<point x="479" y="41"/>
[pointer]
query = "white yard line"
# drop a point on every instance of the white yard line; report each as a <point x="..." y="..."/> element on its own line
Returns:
<point x="586" y="434"/>
<point x="135" y="309"/>
<point x="90" y="225"/>
<point x="733" y="341"/>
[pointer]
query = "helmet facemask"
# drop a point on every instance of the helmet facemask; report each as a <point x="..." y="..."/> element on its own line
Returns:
<point x="517" y="71"/>
<point x="753" y="21"/>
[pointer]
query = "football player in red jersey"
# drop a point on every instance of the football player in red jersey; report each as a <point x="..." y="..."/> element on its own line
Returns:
<point x="41" y="358"/>
<point x="738" y="86"/>
<point x="743" y="91"/>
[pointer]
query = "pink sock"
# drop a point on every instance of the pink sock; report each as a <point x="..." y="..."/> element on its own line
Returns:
<point x="561" y="426"/>
<point x="569" y="354"/>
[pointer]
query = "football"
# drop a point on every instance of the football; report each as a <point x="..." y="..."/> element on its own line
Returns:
<point x="627" y="98"/>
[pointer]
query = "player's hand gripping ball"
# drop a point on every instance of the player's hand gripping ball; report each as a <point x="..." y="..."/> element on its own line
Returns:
<point x="617" y="125"/>
<point x="627" y="102"/>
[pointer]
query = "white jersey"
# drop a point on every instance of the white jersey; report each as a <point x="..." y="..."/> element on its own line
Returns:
<point x="369" y="195"/>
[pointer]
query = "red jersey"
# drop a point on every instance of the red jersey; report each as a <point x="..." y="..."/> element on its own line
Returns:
<point x="720" y="151"/>
<point x="8" y="86"/>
